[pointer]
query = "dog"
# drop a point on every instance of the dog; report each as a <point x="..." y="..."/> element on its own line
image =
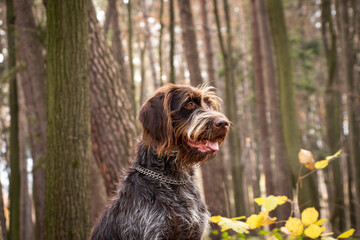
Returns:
<point x="158" y="198"/>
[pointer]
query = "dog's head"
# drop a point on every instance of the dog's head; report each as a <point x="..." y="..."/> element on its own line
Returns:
<point x="183" y="119"/>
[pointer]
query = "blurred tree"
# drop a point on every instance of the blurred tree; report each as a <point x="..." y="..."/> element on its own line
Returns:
<point x="14" y="189"/>
<point x="117" y="47"/>
<point x="283" y="179"/>
<point x="68" y="156"/>
<point x="172" y="41"/>
<point x="32" y="80"/>
<point x="345" y="23"/>
<point x="230" y="109"/>
<point x="213" y="172"/>
<point x="308" y="193"/>
<point x="190" y="42"/>
<point x="333" y="117"/>
<point x="113" y="123"/>
<point x="161" y="40"/>
<point x="149" y="45"/>
<point x="260" y="98"/>
<point x="4" y="232"/>
<point x="130" y="48"/>
<point x="208" y="46"/>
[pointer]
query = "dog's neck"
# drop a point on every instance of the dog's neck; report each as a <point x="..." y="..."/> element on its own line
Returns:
<point x="167" y="164"/>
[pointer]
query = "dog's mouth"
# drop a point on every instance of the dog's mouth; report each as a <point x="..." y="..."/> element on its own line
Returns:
<point x="204" y="146"/>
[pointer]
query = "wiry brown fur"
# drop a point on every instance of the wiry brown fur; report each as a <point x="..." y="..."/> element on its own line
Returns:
<point x="178" y="123"/>
<point x="167" y="135"/>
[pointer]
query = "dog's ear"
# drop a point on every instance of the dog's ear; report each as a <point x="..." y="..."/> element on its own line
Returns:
<point x="155" y="120"/>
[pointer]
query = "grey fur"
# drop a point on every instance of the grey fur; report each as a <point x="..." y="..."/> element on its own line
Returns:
<point x="146" y="208"/>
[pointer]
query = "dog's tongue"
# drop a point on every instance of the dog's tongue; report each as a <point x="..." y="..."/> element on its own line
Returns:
<point x="213" y="145"/>
<point x="205" y="146"/>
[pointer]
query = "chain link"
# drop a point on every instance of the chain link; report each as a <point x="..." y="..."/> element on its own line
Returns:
<point x="159" y="176"/>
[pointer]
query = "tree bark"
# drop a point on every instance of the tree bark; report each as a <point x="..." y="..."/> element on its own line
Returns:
<point x="190" y="42"/>
<point x="118" y="50"/>
<point x="348" y="57"/>
<point x="130" y="48"/>
<point x="283" y="176"/>
<point x="260" y="99"/>
<point x="308" y="195"/>
<point x="4" y="232"/>
<point x="230" y="110"/>
<point x="172" y="41"/>
<point x="33" y="84"/>
<point x="161" y="40"/>
<point x="333" y="118"/>
<point x="26" y="224"/>
<point x="67" y="205"/>
<point x="113" y="123"/>
<point x="98" y="193"/>
<point x="149" y="45"/>
<point x="209" y="52"/>
<point x="14" y="188"/>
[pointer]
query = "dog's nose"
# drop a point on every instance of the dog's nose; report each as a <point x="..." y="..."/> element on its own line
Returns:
<point x="221" y="123"/>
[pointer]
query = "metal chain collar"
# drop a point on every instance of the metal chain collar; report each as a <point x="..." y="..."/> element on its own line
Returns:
<point x="159" y="176"/>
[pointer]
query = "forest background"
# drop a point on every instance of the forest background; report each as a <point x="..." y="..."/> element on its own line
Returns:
<point x="287" y="71"/>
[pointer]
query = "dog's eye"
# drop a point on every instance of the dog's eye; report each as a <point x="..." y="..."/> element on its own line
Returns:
<point x="190" y="105"/>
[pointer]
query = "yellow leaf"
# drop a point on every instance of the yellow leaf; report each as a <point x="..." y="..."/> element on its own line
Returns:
<point x="347" y="234"/>
<point x="281" y="199"/>
<point x="295" y="226"/>
<point x="306" y="158"/>
<point x="334" y="156"/>
<point x="309" y="216"/>
<point x="270" y="203"/>
<point x="320" y="221"/>
<point x="255" y="221"/>
<point x="215" y="219"/>
<point x="227" y="223"/>
<point x="238" y="218"/>
<point x="259" y="201"/>
<point x="313" y="231"/>
<point x="321" y="164"/>
<point x="258" y="220"/>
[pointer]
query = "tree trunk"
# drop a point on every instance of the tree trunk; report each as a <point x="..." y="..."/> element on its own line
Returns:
<point x="283" y="176"/>
<point x="26" y="224"/>
<point x="213" y="172"/>
<point x="348" y="58"/>
<point x="117" y="48"/>
<point x="308" y="195"/>
<point x="113" y="123"/>
<point x="161" y="40"/>
<point x="14" y="188"/>
<point x="209" y="52"/>
<point x="130" y="48"/>
<point x="67" y="205"/>
<point x="33" y="85"/>
<point x="333" y="119"/>
<point x="190" y="42"/>
<point x="149" y="45"/>
<point x="4" y="232"/>
<point x="260" y="99"/>
<point x="172" y="41"/>
<point x="142" y="74"/>
<point x="230" y="110"/>
<point x="98" y="198"/>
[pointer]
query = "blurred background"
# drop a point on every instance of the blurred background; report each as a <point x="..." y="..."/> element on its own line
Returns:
<point x="287" y="71"/>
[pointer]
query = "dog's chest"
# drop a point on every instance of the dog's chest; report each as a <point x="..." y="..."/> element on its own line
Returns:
<point x="190" y="214"/>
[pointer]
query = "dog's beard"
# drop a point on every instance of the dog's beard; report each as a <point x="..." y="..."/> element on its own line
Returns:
<point x="197" y="141"/>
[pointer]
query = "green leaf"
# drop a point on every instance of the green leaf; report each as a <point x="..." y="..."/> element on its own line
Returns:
<point x="277" y="235"/>
<point x="215" y="232"/>
<point x="263" y="232"/>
